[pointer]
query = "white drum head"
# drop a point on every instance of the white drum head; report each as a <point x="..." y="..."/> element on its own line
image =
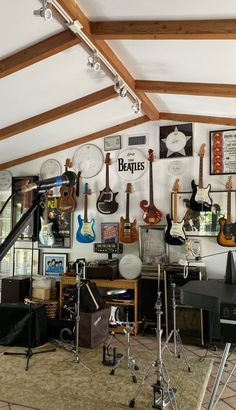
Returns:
<point x="130" y="266"/>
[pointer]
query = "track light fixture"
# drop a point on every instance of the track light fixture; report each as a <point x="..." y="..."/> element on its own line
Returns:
<point x="120" y="87"/>
<point x="94" y="62"/>
<point x="45" y="11"/>
<point x="136" y="107"/>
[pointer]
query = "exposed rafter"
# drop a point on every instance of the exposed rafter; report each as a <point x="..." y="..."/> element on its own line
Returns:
<point x="38" y="52"/>
<point x="58" y="112"/>
<point x="83" y="140"/>
<point x="205" y="119"/>
<point x="170" y="87"/>
<point x="165" y="30"/>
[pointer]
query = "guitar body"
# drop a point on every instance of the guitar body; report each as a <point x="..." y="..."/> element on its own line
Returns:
<point x="46" y="236"/>
<point x="174" y="234"/>
<point x="128" y="231"/>
<point x="66" y="202"/>
<point x="85" y="233"/>
<point x="200" y="200"/>
<point x="151" y="215"/>
<point x="106" y="202"/>
<point x="227" y="233"/>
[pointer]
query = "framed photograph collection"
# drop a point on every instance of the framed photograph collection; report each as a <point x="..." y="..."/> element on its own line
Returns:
<point x="223" y="152"/>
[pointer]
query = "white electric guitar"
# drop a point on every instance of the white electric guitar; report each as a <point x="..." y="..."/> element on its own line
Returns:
<point x="174" y="234"/>
<point x="200" y="200"/>
<point x="46" y="236"/>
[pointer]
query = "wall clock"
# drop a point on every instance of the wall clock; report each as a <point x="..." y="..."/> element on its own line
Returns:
<point x="50" y="168"/>
<point x="5" y="180"/>
<point x="176" y="141"/>
<point x="88" y="159"/>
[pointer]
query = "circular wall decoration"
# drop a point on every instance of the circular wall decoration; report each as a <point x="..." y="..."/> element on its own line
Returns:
<point x="5" y="180"/>
<point x="50" y="168"/>
<point x="88" y="159"/>
<point x="131" y="164"/>
<point x="176" y="168"/>
<point x="130" y="266"/>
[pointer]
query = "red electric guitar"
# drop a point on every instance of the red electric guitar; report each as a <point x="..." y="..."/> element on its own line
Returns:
<point x="152" y="215"/>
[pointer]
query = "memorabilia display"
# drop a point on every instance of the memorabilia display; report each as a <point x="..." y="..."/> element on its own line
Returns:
<point x="200" y="199"/>
<point x="176" y="141"/>
<point x="131" y="164"/>
<point x="174" y="234"/>
<point x="106" y="202"/>
<point x="112" y="142"/>
<point x="54" y="264"/>
<point x="128" y="230"/>
<point x="88" y="159"/>
<point x="223" y="152"/>
<point x="152" y="246"/>
<point x="227" y="233"/>
<point x="85" y="232"/>
<point x="109" y="232"/>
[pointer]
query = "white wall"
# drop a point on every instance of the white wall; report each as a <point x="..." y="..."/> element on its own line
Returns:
<point x="163" y="183"/>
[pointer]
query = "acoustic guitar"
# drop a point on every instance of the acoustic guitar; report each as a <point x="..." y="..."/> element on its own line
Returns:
<point x="227" y="233"/>
<point x="151" y="215"/>
<point x="200" y="200"/>
<point x="106" y="202"/>
<point x="174" y="234"/>
<point x="46" y="236"/>
<point x="66" y="202"/>
<point x="128" y="230"/>
<point x="85" y="233"/>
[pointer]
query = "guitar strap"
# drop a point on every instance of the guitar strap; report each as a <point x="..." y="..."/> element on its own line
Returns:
<point x="77" y="184"/>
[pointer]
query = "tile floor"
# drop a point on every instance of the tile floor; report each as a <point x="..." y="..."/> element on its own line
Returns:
<point x="228" y="399"/>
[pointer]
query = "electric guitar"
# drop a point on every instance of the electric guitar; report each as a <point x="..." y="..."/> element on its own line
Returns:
<point x="227" y="233"/>
<point x="174" y="234"/>
<point x="66" y="202"/>
<point x="152" y="215"/>
<point x="46" y="236"/>
<point x="106" y="202"/>
<point x="128" y="230"/>
<point x="200" y="200"/>
<point x="85" y="233"/>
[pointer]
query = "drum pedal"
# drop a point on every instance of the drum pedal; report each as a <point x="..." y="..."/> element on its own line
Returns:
<point x="107" y="360"/>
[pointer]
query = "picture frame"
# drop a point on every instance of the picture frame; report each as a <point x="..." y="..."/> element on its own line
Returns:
<point x="152" y="246"/>
<point x="109" y="232"/>
<point x="23" y="261"/>
<point x="54" y="264"/>
<point x="176" y="141"/>
<point x="112" y="143"/>
<point x="222" y="152"/>
<point x="203" y="223"/>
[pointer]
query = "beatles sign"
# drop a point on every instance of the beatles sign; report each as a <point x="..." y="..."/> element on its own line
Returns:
<point x="131" y="164"/>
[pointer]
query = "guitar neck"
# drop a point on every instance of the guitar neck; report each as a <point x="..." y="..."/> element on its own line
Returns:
<point x="107" y="187"/>
<point x="175" y="216"/>
<point x="85" y="208"/>
<point x="150" y="184"/>
<point x="201" y="173"/>
<point x="228" y="220"/>
<point x="127" y="207"/>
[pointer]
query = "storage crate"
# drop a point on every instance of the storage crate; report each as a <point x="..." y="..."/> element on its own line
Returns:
<point x="40" y="293"/>
<point x="51" y="306"/>
<point x="43" y="282"/>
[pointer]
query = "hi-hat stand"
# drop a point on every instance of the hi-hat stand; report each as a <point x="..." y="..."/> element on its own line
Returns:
<point x="163" y="393"/>
<point x="178" y="344"/>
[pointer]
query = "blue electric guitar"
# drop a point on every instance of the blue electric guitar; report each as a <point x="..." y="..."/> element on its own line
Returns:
<point x="85" y="233"/>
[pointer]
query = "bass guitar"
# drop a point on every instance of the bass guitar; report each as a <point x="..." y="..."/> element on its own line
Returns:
<point x="85" y="233"/>
<point x="227" y="233"/>
<point x="128" y="230"/>
<point x="66" y="202"/>
<point x="152" y="215"/>
<point x="174" y="234"/>
<point x="200" y="200"/>
<point x="106" y="202"/>
<point x="46" y="236"/>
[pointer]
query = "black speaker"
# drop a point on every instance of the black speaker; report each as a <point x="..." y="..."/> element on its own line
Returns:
<point x="15" y="289"/>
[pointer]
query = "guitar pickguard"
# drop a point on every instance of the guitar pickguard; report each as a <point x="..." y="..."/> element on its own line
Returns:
<point x="46" y="236"/>
<point x="174" y="234"/>
<point x="106" y="203"/>
<point x="200" y="200"/>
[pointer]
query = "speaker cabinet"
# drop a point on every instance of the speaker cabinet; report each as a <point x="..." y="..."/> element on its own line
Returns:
<point x="15" y="289"/>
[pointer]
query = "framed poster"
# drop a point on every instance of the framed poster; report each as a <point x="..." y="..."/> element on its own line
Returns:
<point x="109" y="232"/>
<point x="54" y="264"/>
<point x="111" y="143"/>
<point x="152" y="246"/>
<point x="223" y="152"/>
<point x="176" y="141"/>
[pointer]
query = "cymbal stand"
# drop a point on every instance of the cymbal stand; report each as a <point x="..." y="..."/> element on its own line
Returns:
<point x="163" y="393"/>
<point x="127" y="328"/>
<point x="178" y="344"/>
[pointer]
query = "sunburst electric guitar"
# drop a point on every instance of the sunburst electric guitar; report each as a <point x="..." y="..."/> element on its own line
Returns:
<point x="227" y="234"/>
<point x="200" y="200"/>
<point x="46" y="236"/>
<point x="106" y="202"/>
<point x="128" y="230"/>
<point x="85" y="233"/>
<point x="151" y="215"/>
<point x="174" y="234"/>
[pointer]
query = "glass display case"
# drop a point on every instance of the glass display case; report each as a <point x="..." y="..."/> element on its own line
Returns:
<point x="5" y="228"/>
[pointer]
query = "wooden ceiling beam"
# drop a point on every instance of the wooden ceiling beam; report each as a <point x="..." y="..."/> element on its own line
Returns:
<point x="73" y="143"/>
<point x="33" y="54"/>
<point x="165" y="30"/>
<point x="170" y="87"/>
<point x="204" y="119"/>
<point x="75" y="13"/>
<point x="59" y="112"/>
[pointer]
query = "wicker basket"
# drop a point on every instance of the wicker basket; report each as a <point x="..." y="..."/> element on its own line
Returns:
<point x="51" y="306"/>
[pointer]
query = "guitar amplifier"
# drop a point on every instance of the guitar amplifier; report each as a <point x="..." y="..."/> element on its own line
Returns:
<point x="102" y="269"/>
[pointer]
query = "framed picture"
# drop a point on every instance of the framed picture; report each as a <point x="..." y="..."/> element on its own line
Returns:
<point x="223" y="152"/>
<point x="152" y="246"/>
<point x="109" y="232"/>
<point x="204" y="223"/>
<point x="23" y="261"/>
<point x="112" y="142"/>
<point x="54" y="264"/>
<point x="176" y="141"/>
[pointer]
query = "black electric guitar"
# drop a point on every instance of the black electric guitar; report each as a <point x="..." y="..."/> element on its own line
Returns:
<point x="200" y="200"/>
<point x="106" y="202"/>
<point x="128" y="230"/>
<point x="174" y="234"/>
<point x="227" y="234"/>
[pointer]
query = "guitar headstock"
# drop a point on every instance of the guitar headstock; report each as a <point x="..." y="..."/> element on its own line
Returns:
<point x="176" y="186"/>
<point x="229" y="184"/>
<point x="202" y="150"/>
<point x="86" y="188"/>
<point x="108" y="159"/>
<point x="150" y="155"/>
<point x="129" y="188"/>
<point x="68" y="164"/>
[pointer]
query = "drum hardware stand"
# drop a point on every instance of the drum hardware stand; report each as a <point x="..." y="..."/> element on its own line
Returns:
<point x="178" y="344"/>
<point x="163" y="394"/>
<point x="128" y="328"/>
<point x="106" y="360"/>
